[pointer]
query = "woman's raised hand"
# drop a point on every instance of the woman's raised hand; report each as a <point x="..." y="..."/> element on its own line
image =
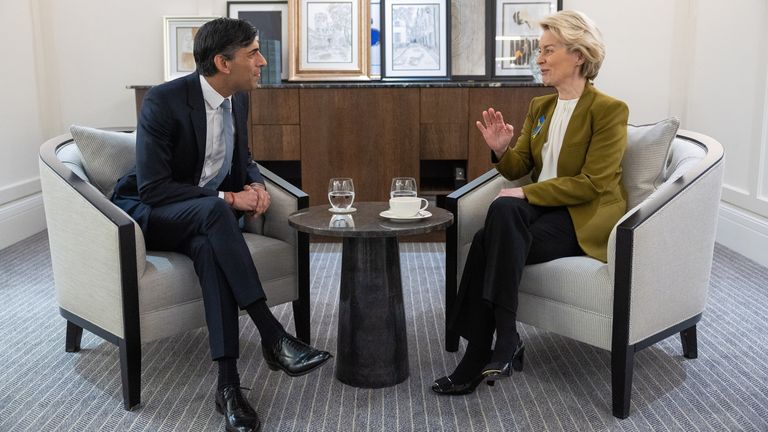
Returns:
<point x="496" y="133"/>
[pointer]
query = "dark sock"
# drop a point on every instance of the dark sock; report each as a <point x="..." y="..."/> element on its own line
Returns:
<point x="506" y="335"/>
<point x="470" y="366"/>
<point x="269" y="327"/>
<point x="228" y="372"/>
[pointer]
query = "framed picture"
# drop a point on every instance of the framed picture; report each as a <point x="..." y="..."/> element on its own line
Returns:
<point x="516" y="35"/>
<point x="375" y="69"/>
<point x="270" y="18"/>
<point x="329" y="39"/>
<point x="416" y="35"/>
<point x="179" y="36"/>
<point x="469" y="40"/>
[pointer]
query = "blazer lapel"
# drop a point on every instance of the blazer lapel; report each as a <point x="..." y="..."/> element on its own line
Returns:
<point x="545" y="116"/>
<point x="197" y="118"/>
<point x="579" y="115"/>
<point x="240" y="153"/>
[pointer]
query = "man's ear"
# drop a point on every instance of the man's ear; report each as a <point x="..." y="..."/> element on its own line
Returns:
<point x="222" y="64"/>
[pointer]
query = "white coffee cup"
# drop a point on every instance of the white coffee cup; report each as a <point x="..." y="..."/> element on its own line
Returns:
<point x="407" y="206"/>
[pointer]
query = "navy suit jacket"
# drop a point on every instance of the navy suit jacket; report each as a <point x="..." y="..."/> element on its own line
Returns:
<point x="170" y="150"/>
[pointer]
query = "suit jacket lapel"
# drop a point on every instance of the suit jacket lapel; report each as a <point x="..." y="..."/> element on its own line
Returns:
<point x="239" y="110"/>
<point x="579" y="115"/>
<point x="197" y="118"/>
<point x="541" y="137"/>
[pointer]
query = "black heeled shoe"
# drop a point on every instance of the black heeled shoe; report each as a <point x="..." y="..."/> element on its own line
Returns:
<point x="500" y="370"/>
<point x="444" y="386"/>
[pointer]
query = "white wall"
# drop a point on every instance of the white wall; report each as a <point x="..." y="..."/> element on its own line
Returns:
<point x="704" y="61"/>
<point x="69" y="62"/>
<point x="21" y="130"/>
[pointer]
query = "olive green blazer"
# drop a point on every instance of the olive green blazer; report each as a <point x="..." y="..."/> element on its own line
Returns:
<point x="588" y="178"/>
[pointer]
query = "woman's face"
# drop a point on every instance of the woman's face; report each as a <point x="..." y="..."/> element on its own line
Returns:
<point x="558" y="65"/>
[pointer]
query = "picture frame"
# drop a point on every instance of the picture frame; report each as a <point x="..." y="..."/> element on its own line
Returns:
<point x="270" y="18"/>
<point x="374" y="70"/>
<point x="423" y="54"/>
<point x="470" y="43"/>
<point x="516" y="36"/>
<point x="178" y="37"/>
<point x="329" y="40"/>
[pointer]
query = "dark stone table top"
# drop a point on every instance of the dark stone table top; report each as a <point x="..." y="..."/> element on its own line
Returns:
<point x="386" y="84"/>
<point x="365" y="221"/>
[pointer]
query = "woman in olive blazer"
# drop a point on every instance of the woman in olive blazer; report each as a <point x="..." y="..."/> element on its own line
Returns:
<point x="588" y="178"/>
<point x="571" y="144"/>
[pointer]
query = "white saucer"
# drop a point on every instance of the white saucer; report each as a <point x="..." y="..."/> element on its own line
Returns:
<point x="342" y="211"/>
<point x="389" y="215"/>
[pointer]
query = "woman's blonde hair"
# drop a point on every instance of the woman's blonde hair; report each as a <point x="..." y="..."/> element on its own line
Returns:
<point x="579" y="34"/>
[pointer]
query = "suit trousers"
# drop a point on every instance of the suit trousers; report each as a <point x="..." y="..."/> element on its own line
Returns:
<point x="207" y="230"/>
<point x="516" y="233"/>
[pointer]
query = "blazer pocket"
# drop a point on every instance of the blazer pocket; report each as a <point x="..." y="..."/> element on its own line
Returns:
<point x="572" y="146"/>
<point x="611" y="202"/>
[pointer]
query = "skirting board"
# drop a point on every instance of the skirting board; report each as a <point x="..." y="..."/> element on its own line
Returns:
<point x="744" y="232"/>
<point x="20" y="219"/>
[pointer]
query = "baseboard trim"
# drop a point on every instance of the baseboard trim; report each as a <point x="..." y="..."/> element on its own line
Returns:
<point x="744" y="232"/>
<point x="20" y="219"/>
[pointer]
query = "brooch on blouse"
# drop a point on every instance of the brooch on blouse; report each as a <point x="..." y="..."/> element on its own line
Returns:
<point x="539" y="125"/>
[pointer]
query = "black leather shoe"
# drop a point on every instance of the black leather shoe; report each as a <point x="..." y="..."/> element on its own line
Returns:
<point x="238" y="413"/>
<point x="293" y="356"/>
<point x="500" y="370"/>
<point x="444" y="386"/>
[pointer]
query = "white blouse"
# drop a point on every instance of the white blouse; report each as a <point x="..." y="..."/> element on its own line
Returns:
<point x="551" y="150"/>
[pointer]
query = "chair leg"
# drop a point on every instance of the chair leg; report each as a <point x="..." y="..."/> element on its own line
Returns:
<point x="74" y="336"/>
<point x="130" y="371"/>
<point x="622" y="363"/>
<point x="690" y="345"/>
<point x="301" y="320"/>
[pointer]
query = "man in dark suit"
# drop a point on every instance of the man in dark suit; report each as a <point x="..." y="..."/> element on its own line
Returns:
<point x="193" y="179"/>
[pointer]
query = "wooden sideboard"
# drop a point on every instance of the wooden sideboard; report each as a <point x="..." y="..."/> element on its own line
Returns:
<point x="371" y="132"/>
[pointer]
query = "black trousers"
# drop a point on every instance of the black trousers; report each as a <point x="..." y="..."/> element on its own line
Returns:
<point x="515" y="233"/>
<point x="207" y="230"/>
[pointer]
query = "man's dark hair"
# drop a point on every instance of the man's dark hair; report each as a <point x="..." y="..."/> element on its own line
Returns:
<point x="221" y="36"/>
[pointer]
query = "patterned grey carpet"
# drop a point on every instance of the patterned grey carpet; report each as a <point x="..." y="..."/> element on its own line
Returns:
<point x="565" y="384"/>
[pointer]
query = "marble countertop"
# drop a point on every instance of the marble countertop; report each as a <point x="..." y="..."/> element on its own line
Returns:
<point x="387" y="84"/>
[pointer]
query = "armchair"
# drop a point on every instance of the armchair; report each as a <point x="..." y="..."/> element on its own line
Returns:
<point x="109" y="284"/>
<point x="656" y="279"/>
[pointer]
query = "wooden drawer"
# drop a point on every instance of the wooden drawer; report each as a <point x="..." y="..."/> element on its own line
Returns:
<point x="443" y="141"/>
<point x="275" y="142"/>
<point x="275" y="107"/>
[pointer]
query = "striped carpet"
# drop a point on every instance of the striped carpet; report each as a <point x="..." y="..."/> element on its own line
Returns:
<point x="565" y="385"/>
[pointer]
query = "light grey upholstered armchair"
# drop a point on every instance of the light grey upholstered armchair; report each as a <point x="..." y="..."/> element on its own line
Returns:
<point x="109" y="284"/>
<point x="655" y="282"/>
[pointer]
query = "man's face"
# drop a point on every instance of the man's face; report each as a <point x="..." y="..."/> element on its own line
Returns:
<point x="245" y="67"/>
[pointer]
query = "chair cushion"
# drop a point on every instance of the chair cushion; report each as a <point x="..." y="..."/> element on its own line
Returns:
<point x="169" y="278"/>
<point x="580" y="282"/>
<point x="107" y="155"/>
<point x="644" y="160"/>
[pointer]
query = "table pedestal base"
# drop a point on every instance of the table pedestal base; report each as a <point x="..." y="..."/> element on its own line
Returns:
<point x="372" y="348"/>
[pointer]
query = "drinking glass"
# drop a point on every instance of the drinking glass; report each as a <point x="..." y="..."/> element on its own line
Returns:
<point x="341" y="193"/>
<point x="403" y="187"/>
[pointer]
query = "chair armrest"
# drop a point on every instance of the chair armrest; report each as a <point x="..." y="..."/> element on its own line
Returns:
<point x="469" y="205"/>
<point x="664" y="250"/>
<point x="286" y="199"/>
<point x="95" y="247"/>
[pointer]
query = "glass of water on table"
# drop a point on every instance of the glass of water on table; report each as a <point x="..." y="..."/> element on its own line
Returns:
<point x="341" y="195"/>
<point x="403" y="187"/>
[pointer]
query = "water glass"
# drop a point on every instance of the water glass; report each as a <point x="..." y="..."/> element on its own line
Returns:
<point x="341" y="193"/>
<point x="403" y="187"/>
